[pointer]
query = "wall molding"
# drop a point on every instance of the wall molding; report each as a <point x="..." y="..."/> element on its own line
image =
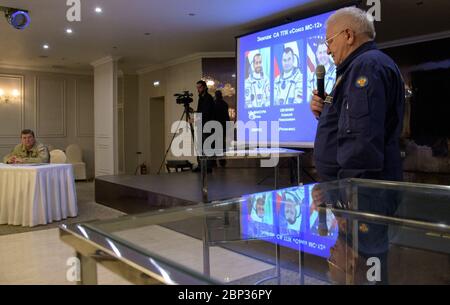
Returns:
<point x="21" y="78"/>
<point x="6" y="148"/>
<point x="104" y="60"/>
<point x="103" y="172"/>
<point x="63" y="101"/>
<point x="103" y="136"/>
<point x="414" y="39"/>
<point x="185" y="59"/>
<point x="47" y="69"/>
<point x="8" y="145"/>
<point x="103" y="146"/>
<point x="77" y="115"/>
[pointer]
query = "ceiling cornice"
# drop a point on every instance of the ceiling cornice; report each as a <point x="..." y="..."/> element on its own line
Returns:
<point x="48" y="70"/>
<point x="104" y="60"/>
<point x="185" y="59"/>
<point x="414" y="39"/>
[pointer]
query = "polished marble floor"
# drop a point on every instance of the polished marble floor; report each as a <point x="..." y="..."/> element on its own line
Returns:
<point x="37" y="256"/>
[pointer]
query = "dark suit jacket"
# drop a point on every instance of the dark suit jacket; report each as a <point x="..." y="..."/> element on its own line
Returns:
<point x="206" y="107"/>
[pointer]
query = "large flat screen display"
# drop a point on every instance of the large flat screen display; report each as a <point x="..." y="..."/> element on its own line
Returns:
<point x="276" y="77"/>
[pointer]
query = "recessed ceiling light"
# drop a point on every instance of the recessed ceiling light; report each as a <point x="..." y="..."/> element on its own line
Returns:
<point x="156" y="83"/>
<point x="46" y="46"/>
<point x="191" y="14"/>
<point x="98" y="10"/>
<point x="69" y="31"/>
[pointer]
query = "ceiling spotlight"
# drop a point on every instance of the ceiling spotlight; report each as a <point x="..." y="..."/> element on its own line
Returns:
<point x="69" y="31"/>
<point x="19" y="19"/>
<point x="46" y="46"/>
<point x="98" y="10"/>
<point x="156" y="84"/>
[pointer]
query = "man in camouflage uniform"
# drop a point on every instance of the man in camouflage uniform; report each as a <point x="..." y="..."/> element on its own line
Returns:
<point x="29" y="151"/>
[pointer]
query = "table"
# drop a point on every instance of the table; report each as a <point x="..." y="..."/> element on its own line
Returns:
<point x="32" y="195"/>
<point x="406" y="227"/>
<point x="256" y="153"/>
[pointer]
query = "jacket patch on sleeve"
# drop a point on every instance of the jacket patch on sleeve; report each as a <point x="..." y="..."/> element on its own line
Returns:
<point x="362" y="82"/>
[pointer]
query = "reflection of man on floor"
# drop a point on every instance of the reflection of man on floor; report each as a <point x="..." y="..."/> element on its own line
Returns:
<point x="257" y="86"/>
<point x="29" y="151"/>
<point x="289" y="84"/>
<point x="318" y="198"/>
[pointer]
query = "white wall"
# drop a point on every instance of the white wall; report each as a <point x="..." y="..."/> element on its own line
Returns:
<point x="105" y="117"/>
<point x="58" y="107"/>
<point x="173" y="79"/>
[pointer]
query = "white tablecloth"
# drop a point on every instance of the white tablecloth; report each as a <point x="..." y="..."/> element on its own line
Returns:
<point x="36" y="195"/>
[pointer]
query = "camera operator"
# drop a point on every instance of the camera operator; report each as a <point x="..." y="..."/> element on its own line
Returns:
<point x="206" y="109"/>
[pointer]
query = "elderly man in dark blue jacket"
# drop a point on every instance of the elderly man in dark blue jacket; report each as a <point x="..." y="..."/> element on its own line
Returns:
<point x="361" y="119"/>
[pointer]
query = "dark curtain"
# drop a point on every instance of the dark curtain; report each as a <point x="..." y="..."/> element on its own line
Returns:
<point x="430" y="109"/>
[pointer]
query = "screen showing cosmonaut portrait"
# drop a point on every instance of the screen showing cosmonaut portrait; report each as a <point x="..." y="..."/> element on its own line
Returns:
<point x="275" y="78"/>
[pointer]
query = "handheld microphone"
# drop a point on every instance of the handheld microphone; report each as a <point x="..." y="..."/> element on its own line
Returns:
<point x="323" y="228"/>
<point x="320" y="75"/>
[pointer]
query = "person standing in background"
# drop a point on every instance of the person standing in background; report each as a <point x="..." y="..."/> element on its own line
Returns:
<point x="205" y="108"/>
<point x="222" y="116"/>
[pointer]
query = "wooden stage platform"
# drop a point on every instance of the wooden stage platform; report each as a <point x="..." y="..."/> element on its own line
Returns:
<point x="138" y="194"/>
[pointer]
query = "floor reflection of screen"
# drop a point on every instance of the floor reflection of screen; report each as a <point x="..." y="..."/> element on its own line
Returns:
<point x="289" y="218"/>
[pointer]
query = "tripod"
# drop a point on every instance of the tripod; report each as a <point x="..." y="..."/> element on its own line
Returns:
<point x="187" y="116"/>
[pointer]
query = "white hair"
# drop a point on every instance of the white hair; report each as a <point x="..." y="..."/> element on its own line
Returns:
<point x="355" y="19"/>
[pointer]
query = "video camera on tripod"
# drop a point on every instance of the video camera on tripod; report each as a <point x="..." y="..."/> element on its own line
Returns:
<point x="184" y="98"/>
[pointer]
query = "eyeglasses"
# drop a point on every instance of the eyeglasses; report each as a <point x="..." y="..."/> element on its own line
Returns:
<point x="330" y="40"/>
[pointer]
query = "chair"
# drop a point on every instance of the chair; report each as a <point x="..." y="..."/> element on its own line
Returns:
<point x="177" y="165"/>
<point x="58" y="156"/>
<point x="75" y="157"/>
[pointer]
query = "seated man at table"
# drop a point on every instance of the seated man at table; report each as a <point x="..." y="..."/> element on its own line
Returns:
<point x="29" y="151"/>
